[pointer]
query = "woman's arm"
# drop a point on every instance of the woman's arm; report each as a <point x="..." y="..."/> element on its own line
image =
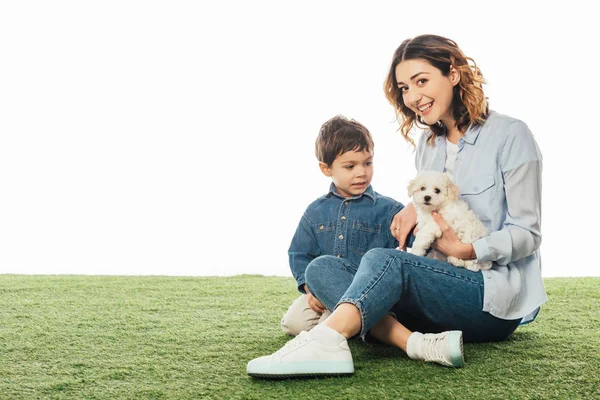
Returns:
<point x="521" y="166"/>
<point x="521" y="234"/>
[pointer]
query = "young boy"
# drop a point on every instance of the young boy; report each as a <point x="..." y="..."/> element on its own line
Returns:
<point x="346" y="222"/>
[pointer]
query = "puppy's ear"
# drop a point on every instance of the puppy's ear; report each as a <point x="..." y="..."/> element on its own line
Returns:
<point x="412" y="186"/>
<point x="452" y="188"/>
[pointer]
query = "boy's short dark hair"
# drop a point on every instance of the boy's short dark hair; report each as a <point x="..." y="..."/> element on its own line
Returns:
<point x="339" y="135"/>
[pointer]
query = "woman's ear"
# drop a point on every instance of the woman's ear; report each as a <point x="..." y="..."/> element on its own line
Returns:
<point x="454" y="75"/>
<point x="325" y="169"/>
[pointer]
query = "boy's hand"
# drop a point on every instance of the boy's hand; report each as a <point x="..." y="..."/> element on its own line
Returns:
<point x="403" y="223"/>
<point x="313" y="303"/>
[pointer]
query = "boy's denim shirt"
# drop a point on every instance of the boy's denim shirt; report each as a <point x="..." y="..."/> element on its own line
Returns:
<point x="342" y="227"/>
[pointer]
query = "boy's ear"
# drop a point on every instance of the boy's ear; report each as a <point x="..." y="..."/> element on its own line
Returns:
<point x="325" y="169"/>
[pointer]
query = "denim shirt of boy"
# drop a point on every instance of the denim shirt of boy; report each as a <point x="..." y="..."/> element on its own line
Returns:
<point x="342" y="227"/>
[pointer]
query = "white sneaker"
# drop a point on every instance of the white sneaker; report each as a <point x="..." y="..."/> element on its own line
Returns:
<point x="321" y="351"/>
<point x="444" y="348"/>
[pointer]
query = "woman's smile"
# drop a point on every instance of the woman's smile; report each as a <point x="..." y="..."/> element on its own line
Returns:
<point x="425" y="108"/>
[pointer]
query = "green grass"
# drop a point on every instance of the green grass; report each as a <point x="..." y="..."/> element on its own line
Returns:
<point x="82" y="337"/>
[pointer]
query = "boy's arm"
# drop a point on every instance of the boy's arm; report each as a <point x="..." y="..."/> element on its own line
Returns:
<point x="302" y="251"/>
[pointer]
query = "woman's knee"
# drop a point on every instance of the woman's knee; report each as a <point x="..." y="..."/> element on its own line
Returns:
<point x="374" y="258"/>
<point x="316" y="270"/>
<point x="327" y="269"/>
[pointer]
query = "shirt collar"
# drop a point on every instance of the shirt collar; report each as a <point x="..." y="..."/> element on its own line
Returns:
<point x="369" y="193"/>
<point x="472" y="133"/>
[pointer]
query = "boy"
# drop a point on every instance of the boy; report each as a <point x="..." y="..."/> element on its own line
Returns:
<point x="346" y="222"/>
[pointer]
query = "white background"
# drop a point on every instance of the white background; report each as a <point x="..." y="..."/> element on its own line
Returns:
<point x="177" y="137"/>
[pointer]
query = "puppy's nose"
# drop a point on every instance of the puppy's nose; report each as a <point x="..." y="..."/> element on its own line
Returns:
<point x="427" y="198"/>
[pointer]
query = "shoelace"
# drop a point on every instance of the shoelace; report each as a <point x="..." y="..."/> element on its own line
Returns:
<point x="295" y="342"/>
<point x="431" y="350"/>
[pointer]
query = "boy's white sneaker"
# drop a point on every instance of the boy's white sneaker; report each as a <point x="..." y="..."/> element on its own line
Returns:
<point x="444" y="348"/>
<point x="321" y="351"/>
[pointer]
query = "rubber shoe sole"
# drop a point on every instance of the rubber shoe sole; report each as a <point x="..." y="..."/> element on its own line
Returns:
<point x="455" y="342"/>
<point x="298" y="369"/>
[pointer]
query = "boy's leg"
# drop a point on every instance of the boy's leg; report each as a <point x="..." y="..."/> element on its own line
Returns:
<point x="299" y="317"/>
<point x="327" y="277"/>
<point x="324" y="316"/>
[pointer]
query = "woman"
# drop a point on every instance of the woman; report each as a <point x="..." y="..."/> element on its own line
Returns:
<point x="425" y="306"/>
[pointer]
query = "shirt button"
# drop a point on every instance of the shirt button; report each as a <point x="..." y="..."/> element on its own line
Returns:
<point x="341" y="237"/>
<point x="475" y="188"/>
<point x="321" y="227"/>
<point x="339" y="256"/>
<point x="343" y="217"/>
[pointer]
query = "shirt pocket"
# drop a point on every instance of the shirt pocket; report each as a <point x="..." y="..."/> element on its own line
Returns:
<point x="323" y="227"/>
<point x="480" y="194"/>
<point x="364" y="236"/>
<point x="324" y="233"/>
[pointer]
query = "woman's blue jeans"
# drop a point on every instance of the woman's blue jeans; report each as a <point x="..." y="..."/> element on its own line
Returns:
<point x="424" y="294"/>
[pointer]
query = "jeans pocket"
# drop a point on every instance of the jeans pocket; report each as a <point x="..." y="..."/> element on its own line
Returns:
<point x="364" y="236"/>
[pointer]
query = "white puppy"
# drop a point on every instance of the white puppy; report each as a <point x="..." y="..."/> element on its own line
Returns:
<point x="435" y="191"/>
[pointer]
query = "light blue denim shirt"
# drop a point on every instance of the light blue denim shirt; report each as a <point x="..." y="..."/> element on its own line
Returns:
<point x="498" y="170"/>
<point x="343" y="227"/>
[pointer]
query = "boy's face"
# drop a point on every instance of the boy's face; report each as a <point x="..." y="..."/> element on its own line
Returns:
<point x="351" y="172"/>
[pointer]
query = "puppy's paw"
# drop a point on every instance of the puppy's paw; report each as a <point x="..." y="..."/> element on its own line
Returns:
<point x="484" y="265"/>
<point x="418" y="251"/>
<point x="457" y="262"/>
<point x="477" y="266"/>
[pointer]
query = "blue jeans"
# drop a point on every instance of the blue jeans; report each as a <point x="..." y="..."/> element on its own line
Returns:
<point x="424" y="294"/>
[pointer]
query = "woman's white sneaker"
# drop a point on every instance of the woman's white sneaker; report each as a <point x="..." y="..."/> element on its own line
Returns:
<point x="444" y="348"/>
<point x="321" y="351"/>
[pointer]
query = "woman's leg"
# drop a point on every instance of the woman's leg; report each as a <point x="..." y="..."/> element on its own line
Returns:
<point x="430" y="295"/>
<point x="427" y="293"/>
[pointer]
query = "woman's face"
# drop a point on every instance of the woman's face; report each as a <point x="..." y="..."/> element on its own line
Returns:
<point x="426" y="91"/>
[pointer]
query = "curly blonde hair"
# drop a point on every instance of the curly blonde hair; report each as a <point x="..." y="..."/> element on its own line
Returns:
<point x="469" y="104"/>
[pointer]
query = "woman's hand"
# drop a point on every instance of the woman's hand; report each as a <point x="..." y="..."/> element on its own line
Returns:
<point x="449" y="243"/>
<point x="404" y="221"/>
<point x="313" y="303"/>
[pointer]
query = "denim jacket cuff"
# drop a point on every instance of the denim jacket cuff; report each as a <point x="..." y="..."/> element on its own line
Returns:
<point x="301" y="282"/>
